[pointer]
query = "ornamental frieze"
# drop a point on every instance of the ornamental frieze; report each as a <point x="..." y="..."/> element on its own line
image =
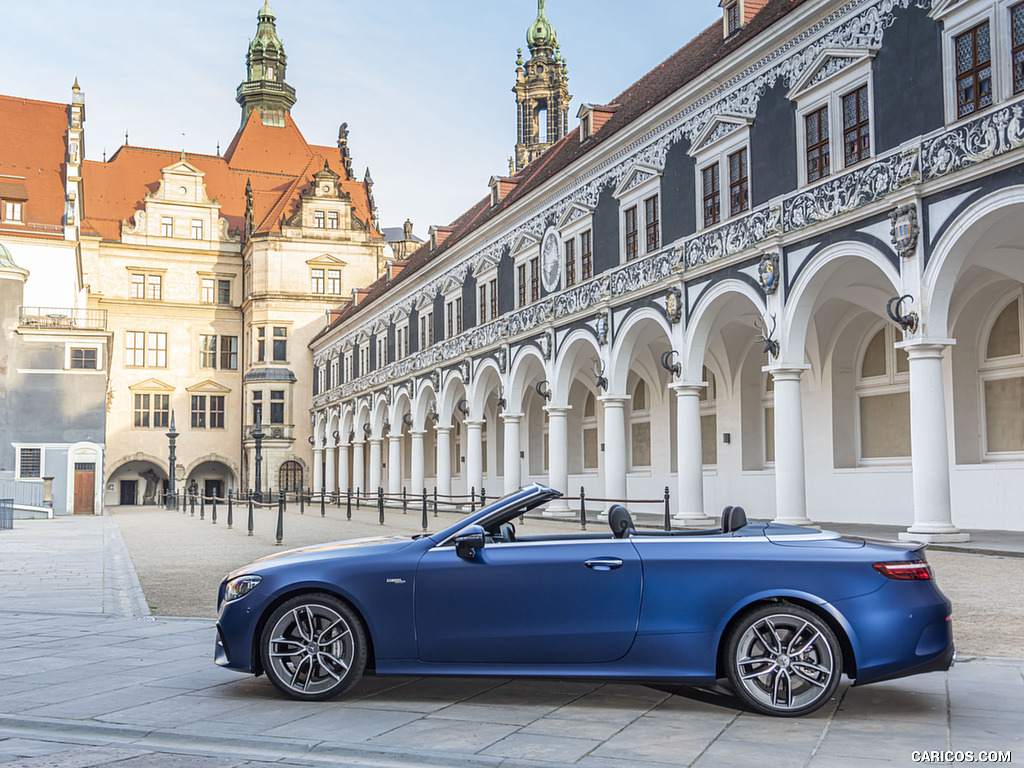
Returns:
<point x="581" y="297"/>
<point x="641" y="273"/>
<point x="974" y="142"/>
<point x="852" y="190"/>
<point x="732" y="237"/>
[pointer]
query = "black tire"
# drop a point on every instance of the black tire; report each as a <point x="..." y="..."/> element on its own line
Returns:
<point x="313" y="647"/>
<point x="783" y="660"/>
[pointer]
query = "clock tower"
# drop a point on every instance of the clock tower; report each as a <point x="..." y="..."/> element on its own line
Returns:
<point x="264" y="88"/>
<point x="542" y="92"/>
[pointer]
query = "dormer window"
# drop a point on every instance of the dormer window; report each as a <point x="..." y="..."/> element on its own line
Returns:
<point x="332" y="219"/>
<point x="318" y="219"/>
<point x="732" y="18"/>
<point x="13" y="211"/>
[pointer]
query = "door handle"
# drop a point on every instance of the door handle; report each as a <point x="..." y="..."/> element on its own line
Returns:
<point x="603" y="563"/>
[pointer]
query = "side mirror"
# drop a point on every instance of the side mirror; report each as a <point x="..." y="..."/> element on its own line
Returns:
<point x="468" y="540"/>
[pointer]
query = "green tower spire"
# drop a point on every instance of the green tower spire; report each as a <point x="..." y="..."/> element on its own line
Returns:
<point x="541" y="34"/>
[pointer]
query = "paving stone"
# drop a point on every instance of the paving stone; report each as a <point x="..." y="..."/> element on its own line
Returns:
<point x="444" y="736"/>
<point x="548" y="748"/>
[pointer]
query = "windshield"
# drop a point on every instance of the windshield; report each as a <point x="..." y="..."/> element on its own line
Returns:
<point x="501" y="511"/>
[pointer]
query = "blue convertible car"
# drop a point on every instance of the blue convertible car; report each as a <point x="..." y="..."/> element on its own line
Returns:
<point x="782" y="612"/>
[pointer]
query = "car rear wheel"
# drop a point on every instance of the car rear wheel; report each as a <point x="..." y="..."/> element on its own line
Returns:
<point x="783" y="660"/>
<point x="313" y="647"/>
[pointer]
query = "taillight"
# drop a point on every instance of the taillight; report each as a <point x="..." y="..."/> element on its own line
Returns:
<point x="905" y="570"/>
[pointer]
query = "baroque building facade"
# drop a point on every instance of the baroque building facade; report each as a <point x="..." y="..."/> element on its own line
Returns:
<point x="211" y="273"/>
<point x="780" y="270"/>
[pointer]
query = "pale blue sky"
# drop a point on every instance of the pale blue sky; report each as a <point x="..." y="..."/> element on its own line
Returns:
<point x="424" y="86"/>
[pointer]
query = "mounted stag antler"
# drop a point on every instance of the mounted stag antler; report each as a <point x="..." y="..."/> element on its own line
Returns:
<point x="666" y="362"/>
<point x="907" y="322"/>
<point x="771" y="346"/>
<point x="602" y="382"/>
<point x="502" y="402"/>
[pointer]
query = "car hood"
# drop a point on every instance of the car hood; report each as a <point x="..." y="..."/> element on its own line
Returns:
<point x="330" y="550"/>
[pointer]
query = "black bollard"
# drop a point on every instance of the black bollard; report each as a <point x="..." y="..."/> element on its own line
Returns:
<point x="583" y="508"/>
<point x="424" y="509"/>
<point x="192" y="504"/>
<point x="472" y="500"/>
<point x="405" y="502"/>
<point x="357" y="497"/>
<point x="323" y="512"/>
<point x="250" y="512"/>
<point x="435" y="501"/>
<point x="202" y="506"/>
<point x="348" y="503"/>
<point x="483" y="498"/>
<point x="302" y="502"/>
<point x="231" y="517"/>
<point x="281" y="501"/>
<point x="380" y="503"/>
<point x="213" y="509"/>
<point x="668" y="519"/>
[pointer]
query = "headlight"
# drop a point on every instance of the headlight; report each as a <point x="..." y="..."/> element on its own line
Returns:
<point x="240" y="587"/>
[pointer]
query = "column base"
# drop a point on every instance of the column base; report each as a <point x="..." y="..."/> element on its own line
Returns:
<point x="689" y="521"/>
<point x="935" y="538"/>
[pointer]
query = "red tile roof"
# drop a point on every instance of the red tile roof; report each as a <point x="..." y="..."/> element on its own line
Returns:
<point x="33" y="151"/>
<point x="679" y="69"/>
<point x="278" y="162"/>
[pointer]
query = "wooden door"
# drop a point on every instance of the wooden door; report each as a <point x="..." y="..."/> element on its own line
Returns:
<point x="85" y="488"/>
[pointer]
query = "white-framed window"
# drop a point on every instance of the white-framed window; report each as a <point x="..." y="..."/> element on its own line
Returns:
<point x="591" y="447"/>
<point x="151" y="410"/>
<point x="146" y="286"/>
<point x="453" y="316"/>
<point x="576" y="231"/>
<point x="145" y="349"/>
<point x="709" y="420"/>
<point x="982" y="54"/>
<point x="31" y="463"/>
<point x="639" y="197"/>
<point x="883" y="400"/>
<point x="334" y="282"/>
<point x="768" y="419"/>
<point x="13" y="211"/>
<point x="426" y="327"/>
<point x="197" y="229"/>
<point x="835" y="122"/>
<point x="382" y="348"/>
<point x="526" y="270"/>
<point x="722" y="156"/>
<point x="640" y="427"/>
<point x="348" y="366"/>
<point x="364" y="358"/>
<point x="487" y="296"/>
<point x="316" y="280"/>
<point x="166" y="226"/>
<point x="208" y="290"/>
<point x="1001" y="370"/>
<point x="401" y="340"/>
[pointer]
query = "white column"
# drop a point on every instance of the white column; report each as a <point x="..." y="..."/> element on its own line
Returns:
<point x="614" y="446"/>
<point x="558" y="459"/>
<point x="343" y="481"/>
<point x="358" y="474"/>
<point x="689" y="501"/>
<point x="933" y="517"/>
<point x="395" y="463"/>
<point x="329" y="460"/>
<point x="318" y="469"/>
<point x="375" y="464"/>
<point x="474" y="455"/>
<point x="790" y="481"/>
<point x="513" y="462"/>
<point x="417" y="463"/>
<point x="443" y="447"/>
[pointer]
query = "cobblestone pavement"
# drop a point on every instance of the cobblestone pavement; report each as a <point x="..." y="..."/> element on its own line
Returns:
<point x="89" y="679"/>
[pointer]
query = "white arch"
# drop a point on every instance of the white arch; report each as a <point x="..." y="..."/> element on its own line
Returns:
<point x="486" y="379"/>
<point x="809" y="286"/>
<point x="421" y="403"/>
<point x="702" y="321"/>
<point x="578" y="345"/>
<point x="625" y="337"/>
<point x="452" y="391"/>
<point x="950" y="255"/>
<point x="526" y="358"/>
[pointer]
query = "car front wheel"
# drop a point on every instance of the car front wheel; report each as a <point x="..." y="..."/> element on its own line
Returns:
<point x="783" y="660"/>
<point x="313" y="647"/>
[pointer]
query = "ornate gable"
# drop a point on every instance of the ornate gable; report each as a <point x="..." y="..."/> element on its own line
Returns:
<point x="826" y="65"/>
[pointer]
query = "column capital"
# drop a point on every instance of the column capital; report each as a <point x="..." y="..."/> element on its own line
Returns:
<point x="924" y="348"/>
<point x="475" y="423"/>
<point x="511" y="418"/>
<point x="418" y="433"/>
<point x="376" y="440"/>
<point x="786" y="372"/>
<point x="614" y="400"/>
<point x="559" y="410"/>
<point x="688" y="388"/>
<point x="444" y="430"/>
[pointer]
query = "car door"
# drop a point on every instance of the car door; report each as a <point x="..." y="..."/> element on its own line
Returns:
<point x="550" y="601"/>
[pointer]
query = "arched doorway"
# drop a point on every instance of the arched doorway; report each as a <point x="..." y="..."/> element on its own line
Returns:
<point x="290" y="477"/>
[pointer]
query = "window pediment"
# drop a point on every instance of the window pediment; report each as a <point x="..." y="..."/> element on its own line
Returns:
<point x="326" y="260"/>
<point x="638" y="176"/>
<point x="523" y="243"/>
<point x="826" y="65"/>
<point x="208" y="386"/>
<point x="720" y="127"/>
<point x="943" y="8"/>
<point x="151" y="385"/>
<point x="574" y="213"/>
<point x="488" y="262"/>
